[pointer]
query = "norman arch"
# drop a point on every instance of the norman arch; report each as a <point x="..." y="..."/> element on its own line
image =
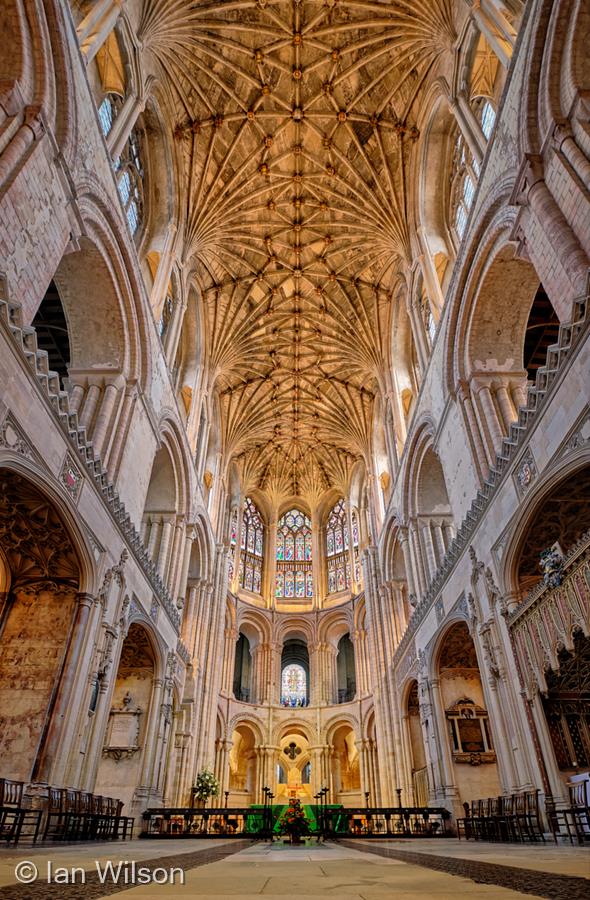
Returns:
<point x="557" y="510"/>
<point x="48" y="580"/>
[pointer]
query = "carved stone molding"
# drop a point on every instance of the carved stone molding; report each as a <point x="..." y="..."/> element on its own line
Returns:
<point x="118" y="754"/>
<point x="13" y="438"/>
<point x="578" y="437"/>
<point x="70" y="475"/>
<point x="526" y="472"/>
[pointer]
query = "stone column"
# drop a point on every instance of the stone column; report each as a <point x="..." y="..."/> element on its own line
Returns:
<point x="176" y="556"/>
<point x="359" y="641"/>
<point x="229" y="658"/>
<point x="331" y="673"/>
<point x="94" y="29"/>
<point x="491" y="418"/>
<point x="258" y="691"/>
<point x="151" y="735"/>
<point x="409" y="798"/>
<point x="442" y="741"/>
<point x="181" y="584"/>
<point x="506" y="409"/>
<point x="188" y="621"/>
<point x="115" y="450"/>
<point x="316" y="693"/>
<point x="90" y="403"/>
<point x="481" y="460"/>
<point x="468" y="126"/>
<point x="428" y="546"/>
<point x="123" y="124"/>
<point x="104" y="417"/>
<point x="163" y="273"/>
<point x="429" y="273"/>
<point x="439" y="541"/>
<point x="172" y="336"/>
<point x="269" y="572"/>
<point x="53" y="754"/>
<point x="75" y="397"/>
<point x="406" y="553"/>
<point x="155" y="529"/>
<point x="163" y="555"/>
<point x="417" y="564"/>
<point x="488" y="25"/>
<point x="568" y="258"/>
<point x="519" y="395"/>
<point x="565" y="143"/>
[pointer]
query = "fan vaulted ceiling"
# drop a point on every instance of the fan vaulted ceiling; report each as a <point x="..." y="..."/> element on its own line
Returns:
<point x="295" y="122"/>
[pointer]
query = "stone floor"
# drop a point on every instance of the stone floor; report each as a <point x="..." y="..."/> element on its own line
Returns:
<point x="230" y="869"/>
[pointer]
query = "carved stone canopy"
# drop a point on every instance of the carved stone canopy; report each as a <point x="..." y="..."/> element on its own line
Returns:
<point x="33" y="536"/>
<point x="137" y="654"/>
<point x="458" y="651"/>
<point x="563" y="517"/>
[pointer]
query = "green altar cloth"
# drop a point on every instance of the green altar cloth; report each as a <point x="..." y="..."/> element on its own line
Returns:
<point x="312" y="814"/>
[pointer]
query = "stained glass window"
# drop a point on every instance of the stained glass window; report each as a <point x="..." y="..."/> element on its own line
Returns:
<point x="129" y="174"/>
<point x="108" y="110"/>
<point x="464" y="175"/>
<point x="252" y="546"/>
<point x="487" y="117"/>
<point x="337" y="546"/>
<point x="294" y="578"/>
<point x="293" y="685"/>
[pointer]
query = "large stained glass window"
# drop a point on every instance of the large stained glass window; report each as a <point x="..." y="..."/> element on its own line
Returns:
<point x="293" y="685"/>
<point x="337" y="543"/>
<point x="294" y="577"/>
<point x="252" y="546"/>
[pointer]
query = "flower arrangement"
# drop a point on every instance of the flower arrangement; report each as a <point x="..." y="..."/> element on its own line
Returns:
<point x="294" y="821"/>
<point x="206" y="785"/>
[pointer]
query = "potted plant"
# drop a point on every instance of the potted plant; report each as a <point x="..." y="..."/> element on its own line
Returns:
<point x="294" y="822"/>
<point x="206" y="785"/>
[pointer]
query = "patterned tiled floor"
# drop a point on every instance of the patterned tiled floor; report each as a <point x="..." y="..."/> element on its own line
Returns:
<point x="348" y="870"/>
<point x="539" y="882"/>
<point x="89" y="886"/>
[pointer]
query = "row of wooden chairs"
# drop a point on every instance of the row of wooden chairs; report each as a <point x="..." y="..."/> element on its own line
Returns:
<point x="69" y="815"/>
<point x="82" y="816"/>
<point x="510" y="818"/>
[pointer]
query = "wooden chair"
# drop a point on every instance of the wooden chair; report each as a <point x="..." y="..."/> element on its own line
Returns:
<point x="85" y="818"/>
<point x="464" y="823"/>
<point x="534" y="827"/>
<point x="508" y="814"/>
<point x="577" y="814"/>
<point x="59" y="822"/>
<point x="124" y="825"/>
<point x="501" y="828"/>
<point x="14" y="816"/>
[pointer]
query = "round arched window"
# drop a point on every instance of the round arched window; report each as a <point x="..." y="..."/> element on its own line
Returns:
<point x="294" y="685"/>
